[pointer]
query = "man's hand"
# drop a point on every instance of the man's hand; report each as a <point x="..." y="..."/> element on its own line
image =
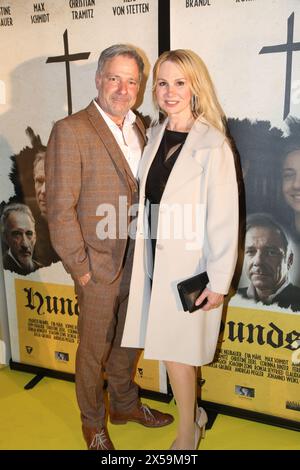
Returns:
<point x="83" y="280"/>
<point x="214" y="300"/>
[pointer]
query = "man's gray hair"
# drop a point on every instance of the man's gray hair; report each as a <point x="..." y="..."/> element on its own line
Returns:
<point x="14" y="207"/>
<point x="117" y="50"/>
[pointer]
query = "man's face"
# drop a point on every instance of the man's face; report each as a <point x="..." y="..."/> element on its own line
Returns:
<point x="20" y="237"/>
<point x="265" y="258"/>
<point x="40" y="188"/>
<point x="118" y="86"/>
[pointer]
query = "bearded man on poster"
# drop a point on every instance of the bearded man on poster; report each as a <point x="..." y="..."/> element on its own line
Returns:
<point x="91" y="164"/>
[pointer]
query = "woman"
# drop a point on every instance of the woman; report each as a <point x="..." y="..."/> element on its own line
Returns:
<point x="188" y="174"/>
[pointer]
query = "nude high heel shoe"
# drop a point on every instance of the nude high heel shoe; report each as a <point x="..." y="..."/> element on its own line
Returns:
<point x="201" y="421"/>
<point x="199" y="428"/>
<point x="198" y="434"/>
<point x="173" y="446"/>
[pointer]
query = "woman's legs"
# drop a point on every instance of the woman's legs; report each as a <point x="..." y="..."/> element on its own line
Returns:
<point x="183" y="382"/>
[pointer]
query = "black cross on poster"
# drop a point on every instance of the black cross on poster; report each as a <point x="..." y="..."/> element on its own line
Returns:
<point x="67" y="58"/>
<point x="289" y="48"/>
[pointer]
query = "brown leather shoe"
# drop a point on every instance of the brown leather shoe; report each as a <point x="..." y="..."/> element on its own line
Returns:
<point x="97" y="438"/>
<point x="144" y="415"/>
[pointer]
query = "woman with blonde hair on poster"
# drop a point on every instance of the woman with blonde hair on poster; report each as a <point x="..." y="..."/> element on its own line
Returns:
<point x="189" y="198"/>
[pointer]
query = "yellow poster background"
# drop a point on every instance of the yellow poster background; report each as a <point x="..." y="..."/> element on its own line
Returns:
<point x="47" y="324"/>
<point x="148" y="375"/>
<point x="257" y="363"/>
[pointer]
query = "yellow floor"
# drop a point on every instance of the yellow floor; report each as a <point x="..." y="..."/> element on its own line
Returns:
<point x="47" y="417"/>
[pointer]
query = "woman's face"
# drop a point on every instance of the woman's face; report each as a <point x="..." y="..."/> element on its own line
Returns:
<point x="173" y="92"/>
<point x="291" y="180"/>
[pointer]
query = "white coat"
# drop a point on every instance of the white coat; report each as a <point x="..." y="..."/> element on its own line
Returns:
<point x="203" y="183"/>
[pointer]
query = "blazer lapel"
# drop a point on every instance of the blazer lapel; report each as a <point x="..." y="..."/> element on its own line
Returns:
<point x="140" y="128"/>
<point x="189" y="163"/>
<point x="150" y="152"/>
<point x="110" y="143"/>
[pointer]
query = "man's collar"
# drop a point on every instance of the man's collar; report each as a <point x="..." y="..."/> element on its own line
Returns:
<point x="130" y="116"/>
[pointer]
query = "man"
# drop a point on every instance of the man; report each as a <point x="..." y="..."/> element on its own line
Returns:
<point x="18" y="229"/>
<point x="91" y="163"/>
<point x="44" y="251"/>
<point x="268" y="259"/>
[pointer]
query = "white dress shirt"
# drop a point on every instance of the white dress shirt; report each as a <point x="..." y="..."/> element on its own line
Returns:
<point x="127" y="138"/>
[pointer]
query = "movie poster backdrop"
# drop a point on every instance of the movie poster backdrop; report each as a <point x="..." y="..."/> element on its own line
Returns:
<point x="49" y="53"/>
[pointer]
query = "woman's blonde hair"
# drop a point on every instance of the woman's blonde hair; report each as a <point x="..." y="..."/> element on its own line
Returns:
<point x="204" y="101"/>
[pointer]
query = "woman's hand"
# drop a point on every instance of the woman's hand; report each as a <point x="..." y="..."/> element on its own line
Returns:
<point x="214" y="299"/>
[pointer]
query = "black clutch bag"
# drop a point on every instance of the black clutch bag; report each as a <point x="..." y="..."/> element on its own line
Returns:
<point x="190" y="289"/>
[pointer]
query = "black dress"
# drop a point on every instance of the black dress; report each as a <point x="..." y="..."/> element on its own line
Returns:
<point x="159" y="173"/>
